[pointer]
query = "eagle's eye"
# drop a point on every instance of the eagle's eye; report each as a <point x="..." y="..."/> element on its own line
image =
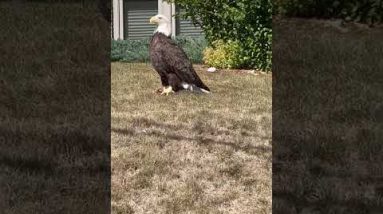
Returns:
<point x="160" y="17"/>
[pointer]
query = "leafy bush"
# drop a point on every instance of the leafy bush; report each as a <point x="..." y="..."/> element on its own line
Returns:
<point x="138" y="50"/>
<point x="130" y="50"/>
<point x="247" y="22"/>
<point x="367" y="11"/>
<point x="193" y="46"/>
<point x="370" y="11"/>
<point x="224" y="54"/>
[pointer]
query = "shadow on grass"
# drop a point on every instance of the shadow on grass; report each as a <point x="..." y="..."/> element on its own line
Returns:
<point x="322" y="206"/>
<point x="28" y="164"/>
<point x="250" y="149"/>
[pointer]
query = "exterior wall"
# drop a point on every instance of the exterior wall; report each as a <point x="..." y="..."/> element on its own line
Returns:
<point x="136" y="18"/>
<point x="185" y="27"/>
<point x="131" y="17"/>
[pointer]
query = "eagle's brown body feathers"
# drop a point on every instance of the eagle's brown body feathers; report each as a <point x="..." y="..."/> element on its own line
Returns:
<point x="172" y="64"/>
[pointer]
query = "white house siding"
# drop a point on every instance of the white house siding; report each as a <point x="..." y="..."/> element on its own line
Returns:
<point x="131" y="19"/>
<point x="136" y="16"/>
<point x="186" y="28"/>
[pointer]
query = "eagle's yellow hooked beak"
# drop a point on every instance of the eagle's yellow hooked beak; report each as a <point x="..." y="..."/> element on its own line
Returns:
<point x="153" y="20"/>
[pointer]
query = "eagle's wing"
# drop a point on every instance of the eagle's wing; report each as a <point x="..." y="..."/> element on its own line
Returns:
<point x="178" y="62"/>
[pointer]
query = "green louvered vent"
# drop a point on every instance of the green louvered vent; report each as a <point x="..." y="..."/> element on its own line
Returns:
<point x="186" y="28"/>
<point x="136" y="18"/>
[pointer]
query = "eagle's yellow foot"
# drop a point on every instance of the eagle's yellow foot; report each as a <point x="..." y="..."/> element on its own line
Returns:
<point x="167" y="91"/>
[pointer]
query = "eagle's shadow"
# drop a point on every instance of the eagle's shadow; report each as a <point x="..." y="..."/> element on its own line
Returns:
<point x="183" y="92"/>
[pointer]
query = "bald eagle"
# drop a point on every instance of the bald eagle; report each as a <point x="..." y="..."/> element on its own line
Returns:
<point x="170" y="61"/>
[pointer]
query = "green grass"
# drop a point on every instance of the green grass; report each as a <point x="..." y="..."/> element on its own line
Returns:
<point x="189" y="153"/>
<point x="327" y="123"/>
<point x="54" y="98"/>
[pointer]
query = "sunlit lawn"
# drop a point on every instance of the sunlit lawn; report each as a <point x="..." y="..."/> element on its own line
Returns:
<point x="189" y="153"/>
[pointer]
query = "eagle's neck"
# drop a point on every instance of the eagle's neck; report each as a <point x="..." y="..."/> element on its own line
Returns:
<point x="164" y="28"/>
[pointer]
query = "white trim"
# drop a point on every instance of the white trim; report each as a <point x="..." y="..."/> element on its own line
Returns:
<point x="173" y="20"/>
<point x="118" y="19"/>
<point x="168" y="10"/>
<point x="121" y="19"/>
<point x="159" y="6"/>
<point x="116" y="24"/>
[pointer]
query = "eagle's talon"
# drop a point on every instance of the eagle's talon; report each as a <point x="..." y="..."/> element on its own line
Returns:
<point x="167" y="91"/>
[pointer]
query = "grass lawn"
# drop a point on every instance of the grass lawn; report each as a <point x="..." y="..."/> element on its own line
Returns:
<point x="327" y="117"/>
<point x="189" y="153"/>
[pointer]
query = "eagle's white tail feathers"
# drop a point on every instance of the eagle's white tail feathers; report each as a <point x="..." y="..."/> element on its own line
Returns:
<point x="186" y="86"/>
<point x="205" y="91"/>
<point x="194" y="88"/>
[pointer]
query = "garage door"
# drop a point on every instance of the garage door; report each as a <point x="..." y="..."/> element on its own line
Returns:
<point x="136" y="18"/>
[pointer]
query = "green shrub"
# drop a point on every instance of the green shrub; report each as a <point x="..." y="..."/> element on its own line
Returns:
<point x="137" y="50"/>
<point x="367" y="11"/>
<point x="193" y="46"/>
<point x="130" y="50"/>
<point x="224" y="54"/>
<point x="247" y="22"/>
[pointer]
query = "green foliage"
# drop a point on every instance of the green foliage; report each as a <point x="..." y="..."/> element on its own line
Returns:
<point x="130" y="50"/>
<point x="224" y="54"/>
<point x="370" y="11"/>
<point x="367" y="11"/>
<point x="247" y="22"/>
<point x="138" y="50"/>
<point x="193" y="46"/>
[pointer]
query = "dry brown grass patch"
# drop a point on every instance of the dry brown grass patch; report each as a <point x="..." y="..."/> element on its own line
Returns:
<point x="189" y="153"/>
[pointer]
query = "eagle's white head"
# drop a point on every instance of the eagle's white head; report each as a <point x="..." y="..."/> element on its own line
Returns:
<point x="163" y="24"/>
